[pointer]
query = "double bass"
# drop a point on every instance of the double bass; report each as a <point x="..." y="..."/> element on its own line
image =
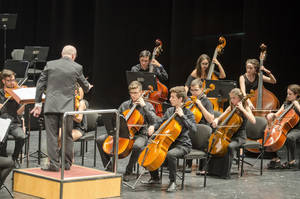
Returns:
<point x="135" y="121"/>
<point x="218" y="50"/>
<point x="153" y="156"/>
<point x="156" y="98"/>
<point x="275" y="133"/>
<point x="192" y="106"/>
<point x="263" y="100"/>
<point x="220" y="139"/>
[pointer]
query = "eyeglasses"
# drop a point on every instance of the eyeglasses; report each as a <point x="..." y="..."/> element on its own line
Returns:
<point x="195" y="90"/>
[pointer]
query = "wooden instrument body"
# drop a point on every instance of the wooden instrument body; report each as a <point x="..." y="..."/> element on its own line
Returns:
<point x="125" y="145"/>
<point x="156" y="98"/>
<point x="220" y="139"/>
<point x="192" y="106"/>
<point x="153" y="156"/>
<point x="275" y="136"/>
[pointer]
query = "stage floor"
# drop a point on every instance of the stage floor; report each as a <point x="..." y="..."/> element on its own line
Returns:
<point x="273" y="184"/>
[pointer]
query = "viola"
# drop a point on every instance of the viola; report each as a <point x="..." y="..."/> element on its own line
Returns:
<point x="275" y="133"/>
<point x="263" y="100"/>
<point x="192" y="106"/>
<point x="135" y="121"/>
<point x="153" y="156"/>
<point x="220" y="139"/>
<point x="156" y="98"/>
<point x="218" y="50"/>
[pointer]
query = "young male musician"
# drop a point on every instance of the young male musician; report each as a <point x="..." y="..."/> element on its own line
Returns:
<point x="147" y="111"/>
<point x="144" y="64"/>
<point x="182" y="145"/>
<point x="13" y="111"/>
<point x="204" y="105"/>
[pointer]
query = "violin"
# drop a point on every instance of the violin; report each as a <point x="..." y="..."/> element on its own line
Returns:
<point x="153" y="156"/>
<point x="230" y="124"/>
<point x="275" y="134"/>
<point x="263" y="99"/>
<point x="135" y="121"/>
<point x="156" y="98"/>
<point x="218" y="50"/>
<point x="192" y="105"/>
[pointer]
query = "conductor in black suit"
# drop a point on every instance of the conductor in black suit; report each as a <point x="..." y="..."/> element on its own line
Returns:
<point x="58" y="79"/>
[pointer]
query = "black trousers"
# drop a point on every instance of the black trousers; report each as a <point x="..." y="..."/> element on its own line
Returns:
<point x="53" y="122"/>
<point x="172" y="155"/>
<point x="6" y="165"/>
<point x="138" y="146"/>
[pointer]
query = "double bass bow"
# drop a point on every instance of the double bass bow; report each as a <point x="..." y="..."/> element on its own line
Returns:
<point x="218" y="50"/>
<point x="156" y="98"/>
<point x="263" y="100"/>
<point x="135" y="121"/>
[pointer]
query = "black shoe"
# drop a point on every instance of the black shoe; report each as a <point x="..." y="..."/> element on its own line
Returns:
<point x="16" y="163"/>
<point x="202" y="172"/>
<point x="49" y="167"/>
<point x="172" y="187"/>
<point x="152" y="181"/>
<point x="188" y="169"/>
<point x="126" y="177"/>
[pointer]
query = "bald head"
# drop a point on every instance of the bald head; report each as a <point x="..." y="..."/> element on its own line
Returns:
<point x="69" y="51"/>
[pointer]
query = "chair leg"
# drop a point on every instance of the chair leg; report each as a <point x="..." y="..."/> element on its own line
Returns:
<point x="183" y="173"/>
<point x="83" y="146"/>
<point x="262" y="159"/>
<point x="95" y="145"/>
<point x="243" y="157"/>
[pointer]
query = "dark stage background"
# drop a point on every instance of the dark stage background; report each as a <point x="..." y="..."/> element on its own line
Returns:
<point x="110" y="34"/>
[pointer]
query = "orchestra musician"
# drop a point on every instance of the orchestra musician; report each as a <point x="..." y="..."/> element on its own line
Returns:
<point x="201" y="70"/>
<point x="293" y="94"/>
<point x="59" y="77"/>
<point x="13" y="111"/>
<point x="143" y="66"/>
<point x="204" y="105"/>
<point x="222" y="166"/>
<point x="182" y="145"/>
<point x="249" y="80"/>
<point x="140" y="138"/>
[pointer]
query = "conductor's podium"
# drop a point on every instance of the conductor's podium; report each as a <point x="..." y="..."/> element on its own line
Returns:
<point x="79" y="182"/>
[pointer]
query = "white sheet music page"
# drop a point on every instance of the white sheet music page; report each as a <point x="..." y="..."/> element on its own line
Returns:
<point x="4" y="123"/>
<point x="26" y="93"/>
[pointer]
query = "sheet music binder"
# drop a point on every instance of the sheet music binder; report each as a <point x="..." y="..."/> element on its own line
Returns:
<point x="109" y="121"/>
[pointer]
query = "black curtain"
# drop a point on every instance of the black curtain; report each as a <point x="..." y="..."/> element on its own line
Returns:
<point x="109" y="35"/>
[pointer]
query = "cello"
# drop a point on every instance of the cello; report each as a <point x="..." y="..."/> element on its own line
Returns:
<point x="135" y="121"/>
<point x="156" y="98"/>
<point x="192" y="106"/>
<point x="153" y="156"/>
<point x="218" y="50"/>
<point x="275" y="133"/>
<point x="220" y="139"/>
<point x="263" y="100"/>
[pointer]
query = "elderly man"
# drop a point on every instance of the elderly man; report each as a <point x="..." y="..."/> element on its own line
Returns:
<point x="59" y="77"/>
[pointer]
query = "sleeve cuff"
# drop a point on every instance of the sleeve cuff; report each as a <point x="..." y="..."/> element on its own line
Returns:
<point x="40" y="104"/>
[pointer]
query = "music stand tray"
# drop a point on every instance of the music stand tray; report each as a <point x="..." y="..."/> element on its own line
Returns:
<point x="222" y="88"/>
<point x="8" y="21"/>
<point x="109" y="121"/>
<point x="145" y="78"/>
<point x="24" y="95"/>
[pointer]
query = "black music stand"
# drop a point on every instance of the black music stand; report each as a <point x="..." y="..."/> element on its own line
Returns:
<point x="145" y="78"/>
<point x="109" y="121"/>
<point x="7" y="22"/>
<point x="35" y="54"/>
<point x="18" y="66"/>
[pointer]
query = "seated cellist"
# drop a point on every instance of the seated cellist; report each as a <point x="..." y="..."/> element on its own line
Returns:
<point x="293" y="94"/>
<point x="222" y="166"/>
<point x="147" y="111"/>
<point x="204" y="105"/>
<point x="182" y="145"/>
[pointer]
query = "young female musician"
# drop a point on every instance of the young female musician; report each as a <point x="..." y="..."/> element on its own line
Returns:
<point x="293" y="94"/>
<point x="201" y="70"/>
<point x="238" y="138"/>
<point x="249" y="80"/>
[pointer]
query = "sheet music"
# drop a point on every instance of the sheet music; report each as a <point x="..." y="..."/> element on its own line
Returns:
<point x="4" y="123"/>
<point x="26" y="93"/>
